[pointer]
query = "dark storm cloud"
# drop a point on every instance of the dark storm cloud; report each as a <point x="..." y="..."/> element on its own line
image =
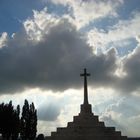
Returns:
<point x="131" y="66"/>
<point x="56" y="61"/>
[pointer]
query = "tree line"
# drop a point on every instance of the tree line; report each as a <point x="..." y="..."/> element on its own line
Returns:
<point x="14" y="125"/>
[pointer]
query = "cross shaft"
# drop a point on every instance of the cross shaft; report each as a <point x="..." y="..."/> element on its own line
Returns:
<point x="85" y="74"/>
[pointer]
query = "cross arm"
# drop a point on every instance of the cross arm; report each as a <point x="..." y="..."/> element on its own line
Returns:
<point x="87" y="74"/>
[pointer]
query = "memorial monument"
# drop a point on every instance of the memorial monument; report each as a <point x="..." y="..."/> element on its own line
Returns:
<point x="86" y="125"/>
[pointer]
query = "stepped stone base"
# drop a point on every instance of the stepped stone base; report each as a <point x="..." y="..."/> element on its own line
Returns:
<point x="86" y="126"/>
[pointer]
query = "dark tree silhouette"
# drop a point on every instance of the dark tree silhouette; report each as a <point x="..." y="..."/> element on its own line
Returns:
<point x="28" y="121"/>
<point x="40" y="137"/>
<point x="9" y="121"/>
<point x="11" y="124"/>
<point x="25" y="121"/>
<point x="2" y="106"/>
<point x="16" y="123"/>
<point x="6" y="121"/>
<point x="33" y="122"/>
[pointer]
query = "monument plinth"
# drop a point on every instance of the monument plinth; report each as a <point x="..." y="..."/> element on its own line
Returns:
<point x="86" y="126"/>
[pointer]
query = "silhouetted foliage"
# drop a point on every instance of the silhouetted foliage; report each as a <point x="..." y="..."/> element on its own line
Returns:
<point x="11" y="125"/>
<point x="28" y="121"/>
<point x="9" y="121"/>
<point x="16" y="126"/>
<point x="40" y="137"/>
<point x="33" y="122"/>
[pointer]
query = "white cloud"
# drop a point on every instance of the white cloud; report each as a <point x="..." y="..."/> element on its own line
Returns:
<point x="3" y="39"/>
<point x="46" y="127"/>
<point x="84" y="12"/>
<point x="122" y="114"/>
<point x="135" y="127"/>
<point x="39" y="24"/>
<point x="118" y="34"/>
<point x="138" y="39"/>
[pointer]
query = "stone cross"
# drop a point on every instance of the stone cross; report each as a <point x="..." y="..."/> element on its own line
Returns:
<point x="85" y="74"/>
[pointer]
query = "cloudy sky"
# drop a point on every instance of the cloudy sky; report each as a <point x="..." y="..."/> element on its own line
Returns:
<point x="44" y="46"/>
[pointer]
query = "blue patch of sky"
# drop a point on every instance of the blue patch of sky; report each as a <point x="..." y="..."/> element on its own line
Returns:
<point x="57" y="9"/>
<point x="13" y="12"/>
<point x="126" y="10"/>
<point x="101" y="24"/>
<point x="123" y="47"/>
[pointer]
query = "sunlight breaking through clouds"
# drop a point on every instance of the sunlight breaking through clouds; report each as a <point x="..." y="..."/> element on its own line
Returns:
<point x="42" y="60"/>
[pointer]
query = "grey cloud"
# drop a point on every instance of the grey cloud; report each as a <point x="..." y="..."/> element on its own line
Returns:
<point x="131" y="66"/>
<point x="54" y="62"/>
<point x="103" y="67"/>
<point x="49" y="112"/>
